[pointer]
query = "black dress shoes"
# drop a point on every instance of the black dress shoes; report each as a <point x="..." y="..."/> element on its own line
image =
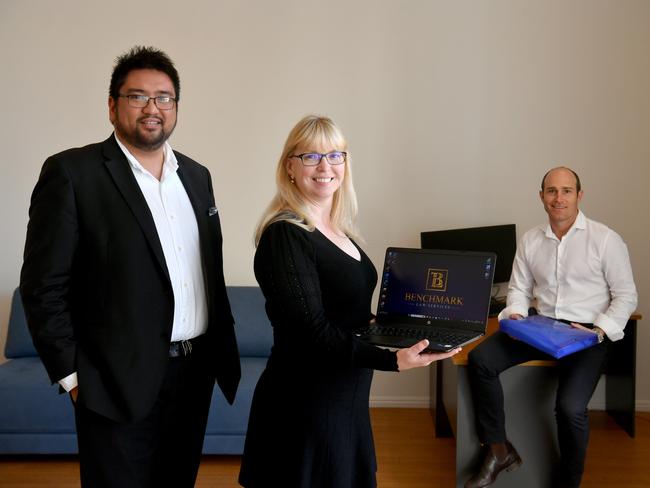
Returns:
<point x="491" y="467"/>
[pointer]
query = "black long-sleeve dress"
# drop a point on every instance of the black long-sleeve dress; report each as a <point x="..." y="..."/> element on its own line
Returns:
<point x="309" y="424"/>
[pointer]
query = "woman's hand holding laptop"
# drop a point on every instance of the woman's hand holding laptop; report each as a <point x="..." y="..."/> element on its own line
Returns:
<point x="413" y="357"/>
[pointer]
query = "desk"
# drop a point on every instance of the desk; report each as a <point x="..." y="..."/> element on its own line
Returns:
<point x="529" y="391"/>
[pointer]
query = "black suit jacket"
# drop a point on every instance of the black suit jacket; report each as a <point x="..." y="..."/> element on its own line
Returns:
<point x="96" y="288"/>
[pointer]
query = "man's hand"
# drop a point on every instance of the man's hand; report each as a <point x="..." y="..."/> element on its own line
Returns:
<point x="515" y="316"/>
<point x="413" y="357"/>
<point x="596" y="330"/>
<point x="73" y="394"/>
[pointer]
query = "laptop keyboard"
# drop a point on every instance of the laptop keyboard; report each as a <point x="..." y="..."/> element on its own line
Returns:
<point x="434" y="335"/>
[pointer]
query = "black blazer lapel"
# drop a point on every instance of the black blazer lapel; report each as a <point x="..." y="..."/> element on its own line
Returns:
<point x="122" y="175"/>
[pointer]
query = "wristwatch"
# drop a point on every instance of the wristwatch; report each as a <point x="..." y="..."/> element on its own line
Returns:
<point x="601" y="334"/>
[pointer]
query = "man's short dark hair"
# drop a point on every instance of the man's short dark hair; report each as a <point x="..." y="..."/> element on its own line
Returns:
<point x="142" y="57"/>
<point x="578" y="185"/>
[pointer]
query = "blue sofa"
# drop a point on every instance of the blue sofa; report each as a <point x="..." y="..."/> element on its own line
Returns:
<point x="35" y="419"/>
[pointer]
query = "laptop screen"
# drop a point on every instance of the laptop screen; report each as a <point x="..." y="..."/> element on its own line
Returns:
<point x="428" y="286"/>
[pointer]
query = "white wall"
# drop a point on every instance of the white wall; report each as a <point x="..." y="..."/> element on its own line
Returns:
<point x="454" y="110"/>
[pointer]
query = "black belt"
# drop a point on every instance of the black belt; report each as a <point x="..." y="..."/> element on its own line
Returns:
<point x="181" y="349"/>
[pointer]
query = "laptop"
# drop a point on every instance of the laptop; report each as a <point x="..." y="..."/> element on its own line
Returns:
<point x="439" y="295"/>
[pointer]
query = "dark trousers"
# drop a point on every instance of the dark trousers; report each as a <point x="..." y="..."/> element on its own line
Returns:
<point x="161" y="450"/>
<point x="578" y="376"/>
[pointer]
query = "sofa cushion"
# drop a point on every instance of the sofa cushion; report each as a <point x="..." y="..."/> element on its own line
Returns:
<point x="30" y="403"/>
<point x="19" y="341"/>
<point x="227" y="424"/>
<point x="226" y="419"/>
<point x="253" y="329"/>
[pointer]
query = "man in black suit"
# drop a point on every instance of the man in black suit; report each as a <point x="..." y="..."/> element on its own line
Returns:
<point x="124" y="291"/>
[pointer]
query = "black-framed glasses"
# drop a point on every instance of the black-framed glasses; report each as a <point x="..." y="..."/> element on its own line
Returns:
<point x="314" y="158"/>
<point x="163" y="102"/>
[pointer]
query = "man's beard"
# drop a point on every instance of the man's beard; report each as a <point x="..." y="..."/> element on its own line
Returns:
<point x="151" y="143"/>
<point x="143" y="140"/>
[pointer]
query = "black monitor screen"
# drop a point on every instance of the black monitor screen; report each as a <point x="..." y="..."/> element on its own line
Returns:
<point x="499" y="239"/>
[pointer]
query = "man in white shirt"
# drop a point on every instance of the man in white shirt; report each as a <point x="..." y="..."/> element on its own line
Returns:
<point x="572" y="269"/>
<point x="123" y="287"/>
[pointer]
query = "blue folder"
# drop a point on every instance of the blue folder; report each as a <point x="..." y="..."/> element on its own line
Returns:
<point x="548" y="335"/>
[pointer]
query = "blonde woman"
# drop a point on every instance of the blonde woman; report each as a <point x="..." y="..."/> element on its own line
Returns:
<point x="309" y="424"/>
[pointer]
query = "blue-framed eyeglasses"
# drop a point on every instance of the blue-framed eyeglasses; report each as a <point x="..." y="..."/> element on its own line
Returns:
<point x="314" y="158"/>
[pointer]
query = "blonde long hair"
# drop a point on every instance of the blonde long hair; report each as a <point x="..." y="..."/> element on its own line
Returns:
<point x="289" y="203"/>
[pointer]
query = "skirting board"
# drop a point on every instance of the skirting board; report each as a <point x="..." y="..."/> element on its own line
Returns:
<point x="642" y="406"/>
<point x="400" y="401"/>
<point x="424" y="402"/>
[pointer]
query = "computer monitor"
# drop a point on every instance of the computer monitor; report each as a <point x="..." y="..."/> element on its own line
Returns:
<point x="499" y="239"/>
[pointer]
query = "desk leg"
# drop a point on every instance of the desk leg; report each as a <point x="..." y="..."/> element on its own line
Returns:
<point x="620" y="389"/>
<point x="530" y="423"/>
<point x="441" y="420"/>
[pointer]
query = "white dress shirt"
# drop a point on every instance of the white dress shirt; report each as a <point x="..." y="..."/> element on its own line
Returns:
<point x="178" y="232"/>
<point x="585" y="277"/>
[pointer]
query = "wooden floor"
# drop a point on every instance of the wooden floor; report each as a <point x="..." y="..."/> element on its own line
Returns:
<point x="408" y="455"/>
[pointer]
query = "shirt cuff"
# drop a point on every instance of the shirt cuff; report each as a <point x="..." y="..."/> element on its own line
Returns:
<point x="610" y="327"/>
<point x="69" y="382"/>
<point x="512" y="310"/>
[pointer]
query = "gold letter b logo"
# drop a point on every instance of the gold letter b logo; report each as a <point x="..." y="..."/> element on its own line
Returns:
<point x="437" y="279"/>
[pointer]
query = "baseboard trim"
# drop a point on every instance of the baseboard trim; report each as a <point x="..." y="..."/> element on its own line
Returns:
<point x="388" y="401"/>
<point x="596" y="405"/>
<point x="400" y="402"/>
<point x="639" y="406"/>
<point x="643" y="406"/>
